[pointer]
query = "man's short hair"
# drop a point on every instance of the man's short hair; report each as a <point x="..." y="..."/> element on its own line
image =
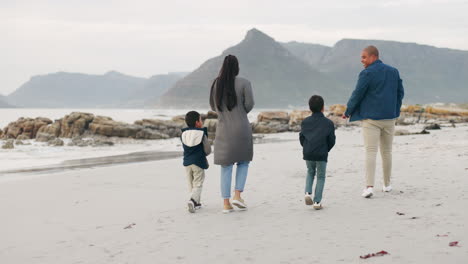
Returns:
<point x="191" y="118"/>
<point x="316" y="103"/>
<point x="372" y="50"/>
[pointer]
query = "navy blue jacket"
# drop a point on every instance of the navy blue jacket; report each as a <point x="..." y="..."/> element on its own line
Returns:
<point x="378" y="95"/>
<point x="317" y="137"/>
<point x="196" y="146"/>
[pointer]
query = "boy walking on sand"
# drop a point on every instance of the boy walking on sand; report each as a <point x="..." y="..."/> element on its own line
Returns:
<point x="196" y="147"/>
<point x="317" y="138"/>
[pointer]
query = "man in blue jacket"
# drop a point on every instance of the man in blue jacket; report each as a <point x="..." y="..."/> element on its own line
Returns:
<point x="376" y="101"/>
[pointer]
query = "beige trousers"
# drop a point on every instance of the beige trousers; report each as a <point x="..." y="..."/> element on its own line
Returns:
<point x="378" y="132"/>
<point x="195" y="178"/>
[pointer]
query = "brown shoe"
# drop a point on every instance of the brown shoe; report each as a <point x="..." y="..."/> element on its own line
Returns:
<point x="227" y="209"/>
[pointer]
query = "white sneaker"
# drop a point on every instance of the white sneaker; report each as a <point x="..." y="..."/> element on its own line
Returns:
<point x="227" y="209"/>
<point x="240" y="204"/>
<point x="368" y="192"/>
<point x="318" y="206"/>
<point x="387" y="188"/>
<point x="308" y="199"/>
<point x="191" y="206"/>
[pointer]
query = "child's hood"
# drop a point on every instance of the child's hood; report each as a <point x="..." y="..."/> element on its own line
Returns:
<point x="192" y="137"/>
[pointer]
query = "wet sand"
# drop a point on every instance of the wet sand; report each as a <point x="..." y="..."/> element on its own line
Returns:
<point x="99" y="161"/>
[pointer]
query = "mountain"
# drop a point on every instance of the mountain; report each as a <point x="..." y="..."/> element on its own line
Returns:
<point x="4" y="102"/>
<point x="429" y="74"/>
<point x="282" y="75"/>
<point x="153" y="88"/>
<point x="278" y="77"/>
<point x="311" y="53"/>
<point x="113" y="89"/>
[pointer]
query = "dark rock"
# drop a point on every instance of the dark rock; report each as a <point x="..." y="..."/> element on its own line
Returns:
<point x="269" y="127"/>
<point x="53" y="129"/>
<point x="337" y="110"/>
<point x="211" y="115"/>
<point x="56" y="142"/>
<point x="434" y="126"/>
<point x="27" y="127"/>
<point x="167" y="127"/>
<point x="100" y="142"/>
<point x="279" y="116"/>
<point x="74" y="124"/>
<point x="211" y="125"/>
<point x="402" y="132"/>
<point x="105" y="126"/>
<point x="150" y="134"/>
<point x="23" y="137"/>
<point x="296" y="117"/>
<point x="43" y="137"/>
<point x="8" y="144"/>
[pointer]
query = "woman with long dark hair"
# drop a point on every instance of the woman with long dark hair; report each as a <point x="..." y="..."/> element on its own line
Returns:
<point x="231" y="97"/>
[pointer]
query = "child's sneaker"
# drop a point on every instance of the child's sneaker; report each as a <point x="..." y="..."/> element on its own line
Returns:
<point x="387" y="188"/>
<point x="198" y="206"/>
<point x="227" y="209"/>
<point x="191" y="206"/>
<point x="368" y="192"/>
<point x="240" y="204"/>
<point x="308" y="199"/>
<point x="317" y="206"/>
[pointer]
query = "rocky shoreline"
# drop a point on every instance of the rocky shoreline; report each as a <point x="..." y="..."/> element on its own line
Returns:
<point x="86" y="129"/>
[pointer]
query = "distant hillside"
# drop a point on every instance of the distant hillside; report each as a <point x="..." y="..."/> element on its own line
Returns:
<point x="278" y="77"/>
<point x="282" y="75"/>
<point x="429" y="74"/>
<point x="113" y="89"/>
<point x="152" y="89"/>
<point x="313" y="54"/>
<point x="3" y="102"/>
<point x="286" y="74"/>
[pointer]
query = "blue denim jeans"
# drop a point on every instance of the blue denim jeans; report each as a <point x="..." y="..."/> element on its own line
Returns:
<point x="314" y="168"/>
<point x="226" y="178"/>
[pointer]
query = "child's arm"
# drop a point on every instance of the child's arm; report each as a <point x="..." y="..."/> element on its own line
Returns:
<point x="206" y="145"/>
<point x="331" y="139"/>
<point x="301" y="138"/>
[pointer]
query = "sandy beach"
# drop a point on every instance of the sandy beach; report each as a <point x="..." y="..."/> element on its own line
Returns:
<point x="136" y="213"/>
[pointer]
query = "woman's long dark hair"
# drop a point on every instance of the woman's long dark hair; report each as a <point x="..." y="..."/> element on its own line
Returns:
<point x="225" y="90"/>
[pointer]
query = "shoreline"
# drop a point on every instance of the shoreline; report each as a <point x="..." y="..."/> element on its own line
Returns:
<point x="133" y="157"/>
<point x="113" y="160"/>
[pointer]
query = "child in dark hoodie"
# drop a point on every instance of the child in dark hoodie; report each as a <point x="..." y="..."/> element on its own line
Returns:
<point x="196" y="148"/>
<point x="317" y="138"/>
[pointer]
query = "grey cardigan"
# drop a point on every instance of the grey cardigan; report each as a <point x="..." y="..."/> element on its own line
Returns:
<point x="234" y="141"/>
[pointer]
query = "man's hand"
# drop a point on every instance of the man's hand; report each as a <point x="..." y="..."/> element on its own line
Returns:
<point x="344" y="116"/>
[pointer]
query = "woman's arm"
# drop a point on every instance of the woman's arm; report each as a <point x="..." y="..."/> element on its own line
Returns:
<point x="248" y="99"/>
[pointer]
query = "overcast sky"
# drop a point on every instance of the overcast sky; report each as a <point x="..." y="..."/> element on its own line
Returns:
<point x="143" y="38"/>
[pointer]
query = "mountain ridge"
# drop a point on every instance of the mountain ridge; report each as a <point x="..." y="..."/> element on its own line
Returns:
<point x="283" y="74"/>
<point x="265" y="62"/>
<point x="71" y="89"/>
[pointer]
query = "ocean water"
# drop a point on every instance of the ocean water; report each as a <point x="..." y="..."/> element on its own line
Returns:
<point x="39" y="154"/>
